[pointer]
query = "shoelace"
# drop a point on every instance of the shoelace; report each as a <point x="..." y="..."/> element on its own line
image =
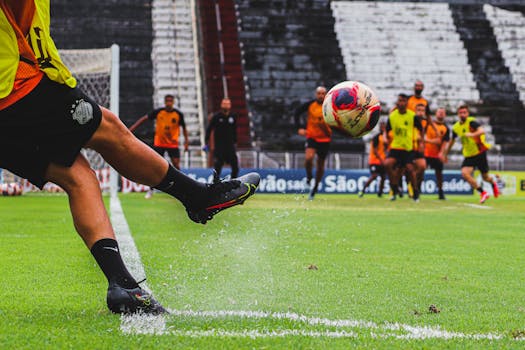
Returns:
<point x="224" y="186"/>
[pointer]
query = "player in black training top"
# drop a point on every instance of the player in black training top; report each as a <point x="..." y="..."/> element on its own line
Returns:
<point x="224" y="125"/>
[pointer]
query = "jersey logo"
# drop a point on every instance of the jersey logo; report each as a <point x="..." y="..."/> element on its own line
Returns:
<point x="81" y="111"/>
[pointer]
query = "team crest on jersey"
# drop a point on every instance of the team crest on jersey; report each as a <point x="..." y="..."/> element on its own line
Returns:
<point x="81" y="111"/>
<point x="230" y="120"/>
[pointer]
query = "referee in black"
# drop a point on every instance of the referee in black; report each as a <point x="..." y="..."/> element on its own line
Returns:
<point x="224" y="125"/>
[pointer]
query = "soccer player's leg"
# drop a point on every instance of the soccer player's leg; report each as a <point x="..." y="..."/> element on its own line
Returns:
<point x="373" y="176"/>
<point x="234" y="163"/>
<point x="390" y="166"/>
<point x="483" y="167"/>
<point x="139" y="163"/>
<point x="92" y="224"/>
<point x="466" y="172"/>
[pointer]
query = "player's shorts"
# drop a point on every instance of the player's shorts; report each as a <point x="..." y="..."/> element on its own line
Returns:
<point x="321" y="148"/>
<point x="227" y="155"/>
<point x="402" y="157"/>
<point x="172" y="152"/>
<point x="51" y="124"/>
<point x="417" y="155"/>
<point x="377" y="169"/>
<point x="479" y="161"/>
<point x="434" y="163"/>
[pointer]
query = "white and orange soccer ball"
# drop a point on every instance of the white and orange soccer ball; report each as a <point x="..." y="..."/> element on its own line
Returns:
<point x="352" y="107"/>
<point x="10" y="189"/>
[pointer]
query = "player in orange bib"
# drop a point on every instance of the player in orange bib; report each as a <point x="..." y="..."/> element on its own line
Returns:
<point x="376" y="161"/>
<point x="168" y="122"/>
<point x="436" y="142"/>
<point x="318" y="137"/>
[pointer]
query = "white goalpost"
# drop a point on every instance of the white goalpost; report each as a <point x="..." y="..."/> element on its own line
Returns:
<point x="97" y="73"/>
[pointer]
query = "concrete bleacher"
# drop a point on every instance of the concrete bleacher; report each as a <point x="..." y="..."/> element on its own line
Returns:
<point x="390" y="45"/>
<point x="174" y="65"/>
<point x="509" y="29"/>
<point x="289" y="48"/>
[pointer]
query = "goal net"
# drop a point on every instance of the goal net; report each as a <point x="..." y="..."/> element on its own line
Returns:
<point x="97" y="74"/>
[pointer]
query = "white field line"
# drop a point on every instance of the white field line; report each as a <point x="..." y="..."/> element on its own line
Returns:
<point x="131" y="255"/>
<point x="477" y="206"/>
<point x="156" y="325"/>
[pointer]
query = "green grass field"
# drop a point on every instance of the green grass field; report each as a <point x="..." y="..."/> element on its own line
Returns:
<point x="337" y="272"/>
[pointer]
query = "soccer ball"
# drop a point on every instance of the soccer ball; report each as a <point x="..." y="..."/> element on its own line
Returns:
<point x="10" y="189"/>
<point x="351" y="107"/>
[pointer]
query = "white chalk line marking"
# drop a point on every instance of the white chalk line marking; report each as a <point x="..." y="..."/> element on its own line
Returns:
<point x="156" y="325"/>
<point x="131" y="256"/>
<point x="477" y="206"/>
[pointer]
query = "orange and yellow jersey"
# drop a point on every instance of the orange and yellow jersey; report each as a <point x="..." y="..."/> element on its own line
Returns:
<point x="316" y="127"/>
<point x="413" y="101"/>
<point x="377" y="145"/>
<point x="19" y="16"/>
<point x="27" y="51"/>
<point x="167" y="127"/>
<point x="416" y="136"/>
<point x="472" y="146"/>
<point x="442" y="131"/>
<point x="389" y="137"/>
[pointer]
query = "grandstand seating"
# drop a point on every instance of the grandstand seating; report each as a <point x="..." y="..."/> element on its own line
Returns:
<point x="289" y="48"/>
<point x="494" y="80"/>
<point x="390" y="45"/>
<point x="174" y="61"/>
<point x="232" y="68"/>
<point x="87" y="25"/>
<point x="509" y="28"/>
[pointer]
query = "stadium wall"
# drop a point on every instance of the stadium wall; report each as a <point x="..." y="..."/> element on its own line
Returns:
<point x="79" y="24"/>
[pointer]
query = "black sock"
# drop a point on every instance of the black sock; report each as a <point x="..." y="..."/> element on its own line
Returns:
<point x="108" y="257"/>
<point x="479" y="189"/>
<point x="182" y="187"/>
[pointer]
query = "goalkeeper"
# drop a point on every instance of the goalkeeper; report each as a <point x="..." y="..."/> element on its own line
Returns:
<point x="44" y="122"/>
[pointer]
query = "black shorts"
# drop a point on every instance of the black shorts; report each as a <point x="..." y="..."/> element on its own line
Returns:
<point x="417" y="155"/>
<point x="321" y="148"/>
<point x="434" y="163"/>
<point x="226" y="155"/>
<point x="172" y="152"/>
<point x="479" y="161"/>
<point x="377" y="169"/>
<point x="49" y="125"/>
<point x="402" y="157"/>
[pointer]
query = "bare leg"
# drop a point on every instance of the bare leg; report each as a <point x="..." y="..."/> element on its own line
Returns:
<point x="127" y="154"/>
<point x="85" y="199"/>
<point x="466" y="172"/>
<point x="309" y="155"/>
<point x="319" y="172"/>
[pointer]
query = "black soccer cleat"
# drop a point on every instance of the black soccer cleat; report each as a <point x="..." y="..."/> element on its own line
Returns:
<point x="129" y="301"/>
<point x="223" y="195"/>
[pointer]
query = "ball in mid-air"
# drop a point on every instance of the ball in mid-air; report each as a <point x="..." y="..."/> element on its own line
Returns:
<point x="352" y="107"/>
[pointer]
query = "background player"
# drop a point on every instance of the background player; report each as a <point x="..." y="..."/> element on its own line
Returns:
<point x="472" y="138"/>
<point x="168" y="122"/>
<point x="418" y="157"/>
<point x="402" y="121"/>
<point x="224" y="127"/>
<point x="436" y="143"/>
<point x="376" y="161"/>
<point x="318" y="137"/>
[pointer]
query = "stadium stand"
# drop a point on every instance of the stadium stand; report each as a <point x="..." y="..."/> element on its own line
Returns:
<point x="390" y="45"/>
<point x="509" y="28"/>
<point x="224" y="35"/>
<point x="87" y="25"/>
<point x="500" y="98"/>
<point x="289" y="48"/>
<point x="175" y="63"/>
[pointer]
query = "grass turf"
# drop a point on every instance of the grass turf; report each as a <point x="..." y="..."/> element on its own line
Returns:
<point x="376" y="261"/>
